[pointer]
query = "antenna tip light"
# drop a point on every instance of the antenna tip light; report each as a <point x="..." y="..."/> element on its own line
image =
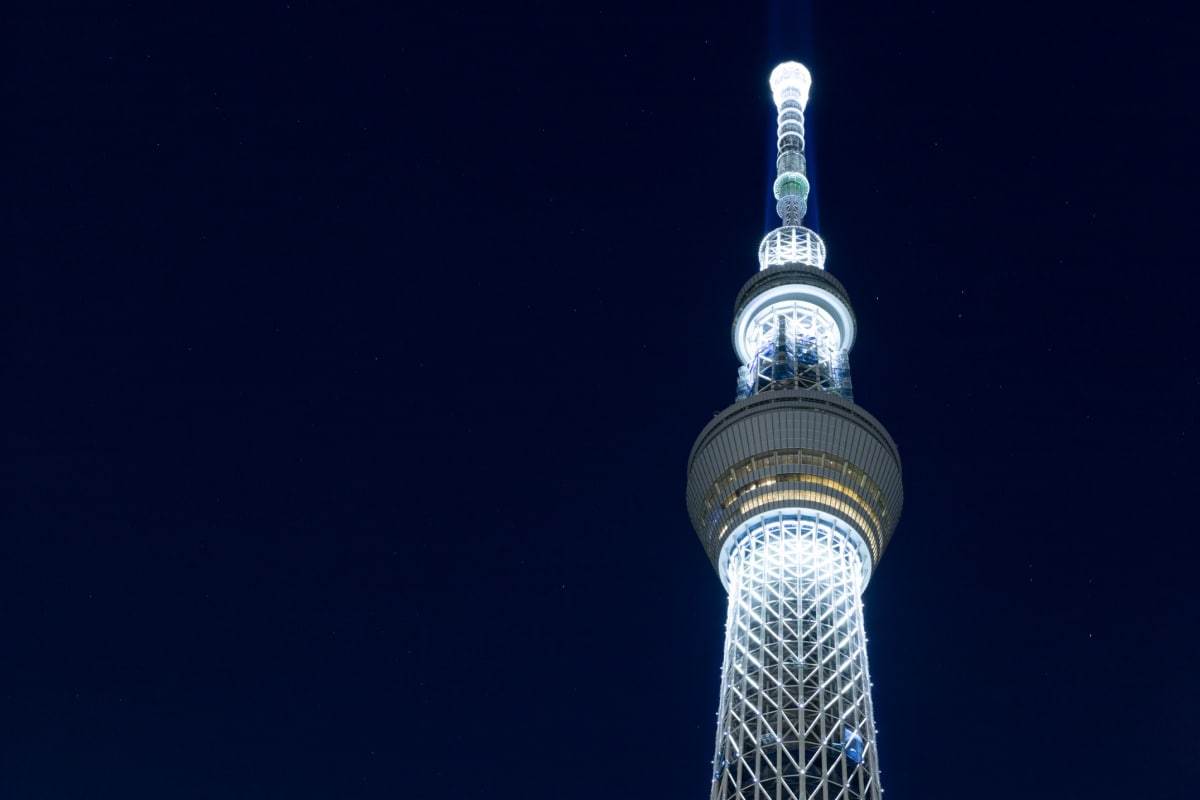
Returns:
<point x="790" y="80"/>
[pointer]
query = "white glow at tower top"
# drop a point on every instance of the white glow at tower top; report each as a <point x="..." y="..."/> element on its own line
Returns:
<point x="790" y="80"/>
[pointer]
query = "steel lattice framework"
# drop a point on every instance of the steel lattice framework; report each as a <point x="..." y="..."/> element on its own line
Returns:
<point x="794" y="492"/>
<point x="791" y="244"/>
<point x="795" y="719"/>
<point x="798" y="346"/>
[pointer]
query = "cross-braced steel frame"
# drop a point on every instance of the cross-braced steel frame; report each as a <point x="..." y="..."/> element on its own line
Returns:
<point x="797" y="346"/>
<point x="795" y="720"/>
<point x="791" y="245"/>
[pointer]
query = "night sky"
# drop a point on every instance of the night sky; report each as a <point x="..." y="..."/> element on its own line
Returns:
<point x="353" y="354"/>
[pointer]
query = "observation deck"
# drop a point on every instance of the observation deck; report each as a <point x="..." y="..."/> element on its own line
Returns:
<point x="788" y="449"/>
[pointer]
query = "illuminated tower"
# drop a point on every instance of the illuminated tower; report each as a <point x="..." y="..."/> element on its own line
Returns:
<point x="795" y="492"/>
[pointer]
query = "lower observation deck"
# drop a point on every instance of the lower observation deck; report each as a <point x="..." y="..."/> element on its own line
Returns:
<point x="795" y="448"/>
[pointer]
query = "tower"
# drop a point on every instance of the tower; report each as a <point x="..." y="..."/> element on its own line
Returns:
<point x="794" y="491"/>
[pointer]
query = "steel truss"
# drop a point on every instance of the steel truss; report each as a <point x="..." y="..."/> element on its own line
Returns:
<point x="795" y="720"/>
<point x="791" y="245"/>
<point x="799" y="347"/>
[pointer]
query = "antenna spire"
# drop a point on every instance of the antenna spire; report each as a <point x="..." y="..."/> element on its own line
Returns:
<point x="791" y="242"/>
<point x="790" y="83"/>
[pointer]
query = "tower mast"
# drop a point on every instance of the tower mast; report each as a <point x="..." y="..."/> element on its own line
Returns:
<point x="794" y="491"/>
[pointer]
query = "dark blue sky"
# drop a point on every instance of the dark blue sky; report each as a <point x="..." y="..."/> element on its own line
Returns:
<point x="353" y="356"/>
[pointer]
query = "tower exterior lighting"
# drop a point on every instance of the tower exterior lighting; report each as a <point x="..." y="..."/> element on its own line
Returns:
<point x="794" y="491"/>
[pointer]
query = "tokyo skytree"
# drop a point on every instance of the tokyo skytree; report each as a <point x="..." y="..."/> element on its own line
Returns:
<point x="794" y="491"/>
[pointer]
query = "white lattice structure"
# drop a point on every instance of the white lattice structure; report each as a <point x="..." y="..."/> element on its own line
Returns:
<point x="795" y="719"/>
<point x="791" y="244"/>
<point x="794" y="492"/>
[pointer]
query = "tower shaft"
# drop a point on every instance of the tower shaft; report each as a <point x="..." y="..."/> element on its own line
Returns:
<point x="795" y="719"/>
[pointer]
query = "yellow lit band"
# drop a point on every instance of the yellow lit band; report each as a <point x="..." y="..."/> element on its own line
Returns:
<point x="808" y="496"/>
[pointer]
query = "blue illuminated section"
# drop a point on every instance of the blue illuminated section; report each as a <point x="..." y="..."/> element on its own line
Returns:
<point x="795" y="339"/>
<point x="852" y="745"/>
<point x="791" y="360"/>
